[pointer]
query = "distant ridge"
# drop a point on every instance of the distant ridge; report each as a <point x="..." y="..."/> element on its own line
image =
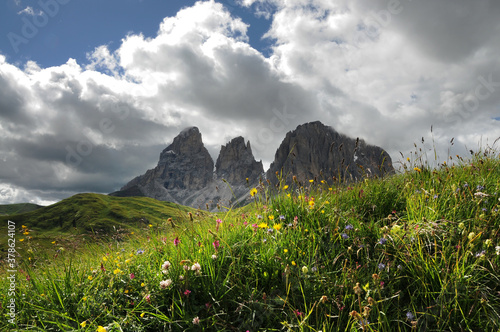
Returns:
<point x="11" y="209"/>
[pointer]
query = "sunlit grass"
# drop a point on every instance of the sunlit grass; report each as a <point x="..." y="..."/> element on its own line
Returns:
<point x="415" y="251"/>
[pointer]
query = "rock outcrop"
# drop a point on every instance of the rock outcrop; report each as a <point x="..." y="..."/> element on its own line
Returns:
<point x="314" y="150"/>
<point x="185" y="172"/>
<point x="236" y="163"/>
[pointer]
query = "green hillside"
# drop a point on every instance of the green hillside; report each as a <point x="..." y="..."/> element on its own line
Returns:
<point x="74" y="219"/>
<point x="10" y="209"/>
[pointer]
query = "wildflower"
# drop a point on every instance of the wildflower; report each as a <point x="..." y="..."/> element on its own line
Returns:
<point x="101" y="329"/>
<point x="143" y="284"/>
<point x="187" y="292"/>
<point x="381" y="266"/>
<point x="259" y="217"/>
<point x="21" y="240"/>
<point x="417" y="169"/>
<point x="285" y="250"/>
<point x="83" y="324"/>
<point x="349" y="227"/>
<point x="471" y="236"/>
<point x="253" y="191"/>
<point x="277" y="227"/>
<point x="410" y="316"/>
<point x="293" y="263"/>
<point x="148" y="297"/>
<point x="132" y="275"/>
<point x="181" y="278"/>
<point x="165" y="283"/>
<point x="139" y="252"/>
<point x="216" y="245"/>
<point x="345" y="236"/>
<point x="357" y="289"/>
<point x="382" y="240"/>
<point x="270" y="230"/>
<point x="314" y="269"/>
<point x="285" y="187"/>
<point x="371" y="301"/>
<point x="176" y="241"/>
<point x="305" y="269"/>
<point x="117" y="271"/>
<point x="166" y="265"/>
<point x="90" y="278"/>
<point x="150" y="226"/>
<point x="271" y="217"/>
<point x="461" y="225"/>
<point x="219" y="222"/>
<point x="214" y="257"/>
<point x="142" y="315"/>
<point x="263" y="225"/>
<point x="197" y="268"/>
<point x="481" y="253"/>
<point x="298" y="313"/>
<point x="196" y="320"/>
<point x="497" y="249"/>
<point x="323" y="299"/>
<point x="479" y="188"/>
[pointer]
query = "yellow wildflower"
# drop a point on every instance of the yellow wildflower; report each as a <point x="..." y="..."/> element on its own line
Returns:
<point x="143" y="284"/>
<point x="117" y="271"/>
<point x="277" y="227"/>
<point x="142" y="315"/>
<point x="311" y="181"/>
<point x="271" y="217"/>
<point x="90" y="277"/>
<point x="262" y="225"/>
<point x="83" y="324"/>
<point x="285" y="187"/>
<point x="104" y="259"/>
<point x="417" y="169"/>
<point x="101" y="329"/>
<point x="285" y="250"/>
<point x="293" y="263"/>
<point x="150" y="225"/>
<point x="253" y="192"/>
<point x="21" y="240"/>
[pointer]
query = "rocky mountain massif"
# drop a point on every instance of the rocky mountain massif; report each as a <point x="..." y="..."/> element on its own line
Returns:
<point x="186" y="173"/>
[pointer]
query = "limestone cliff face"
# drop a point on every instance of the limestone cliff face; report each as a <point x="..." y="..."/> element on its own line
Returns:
<point x="236" y="163"/>
<point x="185" y="172"/>
<point x="314" y="150"/>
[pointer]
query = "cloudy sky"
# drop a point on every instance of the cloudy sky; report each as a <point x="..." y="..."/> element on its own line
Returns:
<point x="92" y="91"/>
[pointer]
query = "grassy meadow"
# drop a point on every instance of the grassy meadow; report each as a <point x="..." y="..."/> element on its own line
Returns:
<point x="416" y="251"/>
